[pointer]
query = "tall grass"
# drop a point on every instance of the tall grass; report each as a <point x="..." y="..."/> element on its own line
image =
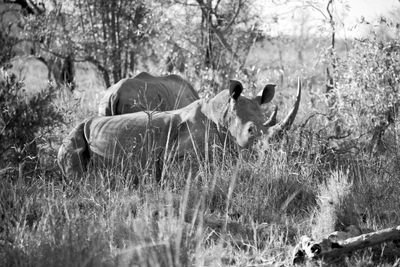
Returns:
<point x="221" y="209"/>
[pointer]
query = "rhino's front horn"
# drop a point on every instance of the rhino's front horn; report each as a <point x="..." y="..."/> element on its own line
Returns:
<point x="286" y="123"/>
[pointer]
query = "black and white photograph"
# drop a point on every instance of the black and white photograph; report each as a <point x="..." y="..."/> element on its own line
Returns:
<point x="199" y="133"/>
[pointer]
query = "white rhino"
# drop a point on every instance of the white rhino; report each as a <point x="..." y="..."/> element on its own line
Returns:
<point x="183" y="131"/>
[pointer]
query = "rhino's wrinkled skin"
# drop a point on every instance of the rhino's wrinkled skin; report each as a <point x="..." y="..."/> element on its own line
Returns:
<point x="183" y="131"/>
<point x="147" y="92"/>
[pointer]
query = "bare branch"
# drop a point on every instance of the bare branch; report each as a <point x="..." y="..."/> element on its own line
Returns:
<point x="217" y="5"/>
<point x="223" y="41"/>
<point x="309" y="4"/>
<point x="185" y="4"/>
<point x="230" y="23"/>
<point x="29" y="6"/>
<point x="310" y="117"/>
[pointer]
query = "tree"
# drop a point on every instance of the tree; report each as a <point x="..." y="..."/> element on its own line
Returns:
<point x="215" y="35"/>
<point x="330" y="80"/>
<point x="110" y="34"/>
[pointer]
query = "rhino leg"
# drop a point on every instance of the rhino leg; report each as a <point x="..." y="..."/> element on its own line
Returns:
<point x="73" y="155"/>
<point x="159" y="164"/>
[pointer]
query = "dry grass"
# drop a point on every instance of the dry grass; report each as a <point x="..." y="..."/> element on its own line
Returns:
<point x="240" y="211"/>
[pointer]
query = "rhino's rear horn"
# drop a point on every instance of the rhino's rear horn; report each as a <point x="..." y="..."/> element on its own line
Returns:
<point x="272" y="118"/>
<point x="287" y="122"/>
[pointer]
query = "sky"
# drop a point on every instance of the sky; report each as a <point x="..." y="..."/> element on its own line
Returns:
<point x="371" y="8"/>
<point x="291" y="13"/>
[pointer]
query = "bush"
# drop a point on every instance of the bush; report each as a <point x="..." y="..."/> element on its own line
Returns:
<point x="6" y="49"/>
<point x="24" y="118"/>
<point x="367" y="90"/>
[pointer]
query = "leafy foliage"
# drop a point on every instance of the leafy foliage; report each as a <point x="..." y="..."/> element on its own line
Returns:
<point x="23" y="119"/>
<point x="367" y="94"/>
<point x="6" y="48"/>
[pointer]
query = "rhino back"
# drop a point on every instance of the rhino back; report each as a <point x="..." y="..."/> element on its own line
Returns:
<point x="131" y="134"/>
<point x="180" y="92"/>
<point x="147" y="92"/>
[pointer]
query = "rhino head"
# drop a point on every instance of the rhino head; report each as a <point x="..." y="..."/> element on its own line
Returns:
<point x="242" y="116"/>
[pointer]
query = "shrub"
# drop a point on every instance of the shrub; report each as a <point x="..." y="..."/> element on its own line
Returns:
<point x="367" y="90"/>
<point x="24" y="119"/>
<point x="6" y="48"/>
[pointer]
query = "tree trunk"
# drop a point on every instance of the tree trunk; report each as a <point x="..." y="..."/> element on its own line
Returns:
<point x="330" y="80"/>
<point x="114" y="43"/>
<point x="132" y="61"/>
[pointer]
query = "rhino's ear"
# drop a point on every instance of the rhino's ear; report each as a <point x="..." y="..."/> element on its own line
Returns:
<point x="235" y="89"/>
<point x="267" y="94"/>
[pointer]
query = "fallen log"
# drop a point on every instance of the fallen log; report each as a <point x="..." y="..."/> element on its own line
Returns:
<point x="339" y="244"/>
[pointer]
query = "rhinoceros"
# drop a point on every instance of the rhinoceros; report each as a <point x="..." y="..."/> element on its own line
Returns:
<point x="152" y="134"/>
<point x="147" y="92"/>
